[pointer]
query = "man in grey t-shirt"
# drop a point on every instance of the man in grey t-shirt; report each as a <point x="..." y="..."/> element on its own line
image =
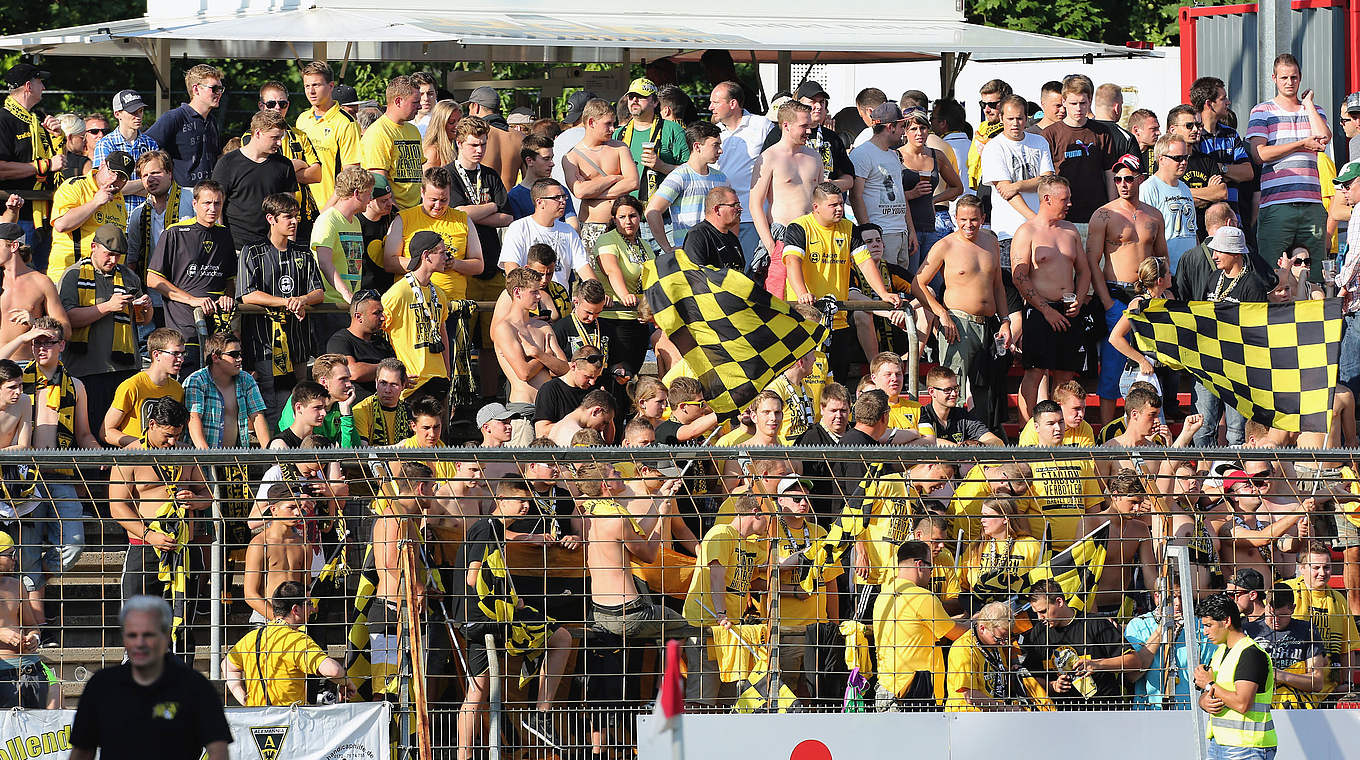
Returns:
<point x="878" y="196"/>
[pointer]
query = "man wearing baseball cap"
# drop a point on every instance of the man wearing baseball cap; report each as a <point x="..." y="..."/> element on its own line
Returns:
<point x="28" y="152"/>
<point x="1350" y="123"/>
<point x="128" y="109"/>
<point x="878" y="196"/>
<point x="502" y="144"/>
<point x="1348" y="279"/>
<point x="25" y="289"/>
<point x="796" y="529"/>
<point x="1247" y="588"/>
<point x="81" y="205"/>
<point x="657" y="145"/>
<point x="416" y="313"/>
<point x="374" y="222"/>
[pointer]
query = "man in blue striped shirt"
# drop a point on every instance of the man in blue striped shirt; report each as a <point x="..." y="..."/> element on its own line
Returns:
<point x="1222" y="143"/>
<point x="128" y="109"/>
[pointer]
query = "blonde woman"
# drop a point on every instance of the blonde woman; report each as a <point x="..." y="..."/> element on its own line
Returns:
<point x="649" y="400"/>
<point x="438" y="144"/>
<point x="1154" y="281"/>
<point x="996" y="566"/>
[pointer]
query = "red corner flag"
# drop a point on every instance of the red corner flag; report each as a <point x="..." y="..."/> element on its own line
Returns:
<point x="670" y="702"/>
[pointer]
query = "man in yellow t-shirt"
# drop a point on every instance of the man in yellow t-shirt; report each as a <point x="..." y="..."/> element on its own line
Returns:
<point x="269" y="666"/>
<point x="391" y="146"/>
<point x="1071" y="399"/>
<point x="981" y="675"/>
<point x="123" y="420"/>
<point x="720" y="589"/>
<point x="887" y="372"/>
<point x="818" y="249"/>
<point x="798" y="609"/>
<point x="1065" y="489"/>
<point x="1326" y="608"/>
<point x="799" y="409"/>
<point x="415" y="313"/>
<point x="908" y="621"/>
<point x="333" y="132"/>
<point x="81" y="204"/>
<point x="451" y="224"/>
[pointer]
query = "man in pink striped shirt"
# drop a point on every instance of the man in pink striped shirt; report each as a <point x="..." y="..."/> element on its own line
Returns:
<point x="1284" y="135"/>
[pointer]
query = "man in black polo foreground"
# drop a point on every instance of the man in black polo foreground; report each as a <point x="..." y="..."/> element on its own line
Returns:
<point x="153" y="705"/>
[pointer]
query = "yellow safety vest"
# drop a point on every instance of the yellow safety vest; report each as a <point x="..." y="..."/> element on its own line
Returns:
<point x="1254" y="728"/>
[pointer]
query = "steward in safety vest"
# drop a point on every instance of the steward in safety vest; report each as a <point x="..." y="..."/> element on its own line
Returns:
<point x="1237" y="687"/>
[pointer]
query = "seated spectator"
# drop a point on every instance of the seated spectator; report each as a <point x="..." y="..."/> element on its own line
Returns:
<point x="595" y="412"/>
<point x="384" y="418"/>
<point x="224" y="402"/>
<point x="309" y="405"/>
<point x="270" y="665"/>
<point x="105" y="303"/>
<point x="945" y="418"/>
<point x="559" y="396"/>
<point x="280" y="275"/>
<point x="1316" y="600"/>
<point x="1071" y="399"/>
<point x="321" y="484"/>
<point x="908" y="621"/>
<point x="1079" y="658"/>
<point x="364" y="344"/>
<point x="332" y="372"/>
<point x="1297" y="651"/>
<point x="123" y="420"/>
<point x="17" y="619"/>
<point x="887" y="372"/>
<point x="980" y="680"/>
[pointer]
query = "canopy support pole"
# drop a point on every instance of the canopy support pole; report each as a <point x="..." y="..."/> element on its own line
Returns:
<point x="159" y="54"/>
<point x="784" y="80"/>
<point x="951" y="64"/>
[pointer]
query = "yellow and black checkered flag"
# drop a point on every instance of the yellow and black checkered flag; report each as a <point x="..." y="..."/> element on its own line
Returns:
<point x="1077" y="568"/>
<point x="1274" y="363"/>
<point x="730" y="331"/>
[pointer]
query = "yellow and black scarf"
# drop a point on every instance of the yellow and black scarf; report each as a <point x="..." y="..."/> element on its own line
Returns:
<point x="401" y="422"/>
<point x="124" y="339"/>
<point x="278" y="336"/>
<point x="462" y="380"/>
<point x="62" y="398"/>
<point x="169" y="219"/>
<point x="43" y="151"/>
<point x="172" y="567"/>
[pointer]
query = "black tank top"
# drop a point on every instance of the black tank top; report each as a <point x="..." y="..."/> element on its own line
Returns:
<point x="923" y="208"/>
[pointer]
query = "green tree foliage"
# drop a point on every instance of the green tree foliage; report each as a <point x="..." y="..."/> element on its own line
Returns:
<point x="1113" y="22"/>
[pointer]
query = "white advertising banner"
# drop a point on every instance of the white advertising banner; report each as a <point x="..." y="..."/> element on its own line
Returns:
<point x="1134" y="735"/>
<point x="331" y="732"/>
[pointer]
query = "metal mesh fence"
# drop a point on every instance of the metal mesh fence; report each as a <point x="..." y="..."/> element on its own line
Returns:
<point x="792" y="576"/>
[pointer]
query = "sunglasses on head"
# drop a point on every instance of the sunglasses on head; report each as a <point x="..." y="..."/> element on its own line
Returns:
<point x="593" y="359"/>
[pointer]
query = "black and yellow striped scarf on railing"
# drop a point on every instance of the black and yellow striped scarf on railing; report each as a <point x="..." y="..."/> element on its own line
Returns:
<point x="172" y="566"/>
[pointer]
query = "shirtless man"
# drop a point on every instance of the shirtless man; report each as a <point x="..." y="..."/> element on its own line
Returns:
<point x="16" y="409"/>
<point x="598" y="170"/>
<point x="1247" y="541"/>
<point x="398" y="520"/>
<point x="1053" y="278"/>
<point x="1129" y="545"/>
<point x="785" y="176"/>
<point x="651" y="477"/>
<point x="279" y="553"/>
<point x="616" y="536"/>
<point x="525" y="347"/>
<point x="153" y="503"/>
<point x="970" y="317"/>
<point x="25" y="293"/>
<point x="1123" y="233"/>
<point x="1143" y="426"/>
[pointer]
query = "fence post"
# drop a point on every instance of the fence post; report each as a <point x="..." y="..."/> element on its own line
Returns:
<point x="1181" y="555"/>
<point x="493" y="750"/>
<point x="913" y="355"/>
<point x="215" y="582"/>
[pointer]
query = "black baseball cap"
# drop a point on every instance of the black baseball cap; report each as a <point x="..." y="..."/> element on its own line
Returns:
<point x="1249" y="579"/>
<point x="576" y="103"/>
<point x="810" y="89"/>
<point x="120" y="162"/>
<point x="20" y="73"/>
<point x="345" y="94"/>
<point x="112" y="237"/>
<point x="11" y="231"/>
<point x="420" y="243"/>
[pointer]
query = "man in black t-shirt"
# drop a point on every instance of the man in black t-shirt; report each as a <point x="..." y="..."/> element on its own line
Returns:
<point x="153" y="705"/>
<point x="560" y="396"/>
<point x="583" y="327"/>
<point x="948" y="420"/>
<point x="483" y="554"/>
<point x="713" y="242"/>
<point x="253" y="173"/>
<point x="1078" y="658"/>
<point x="692" y="423"/>
<point x="552" y="513"/>
<point x="364" y="343"/>
<point x="374" y="222"/>
<point x="1296" y="648"/>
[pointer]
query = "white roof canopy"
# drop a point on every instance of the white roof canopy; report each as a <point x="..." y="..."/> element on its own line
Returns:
<point x="569" y="31"/>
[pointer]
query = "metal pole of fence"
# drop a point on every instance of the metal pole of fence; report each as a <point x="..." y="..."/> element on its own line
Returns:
<point x="215" y="583"/>
<point x="493" y="735"/>
<point x="1181" y="555"/>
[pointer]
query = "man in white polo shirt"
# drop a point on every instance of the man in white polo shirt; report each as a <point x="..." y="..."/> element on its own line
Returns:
<point x="743" y="139"/>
